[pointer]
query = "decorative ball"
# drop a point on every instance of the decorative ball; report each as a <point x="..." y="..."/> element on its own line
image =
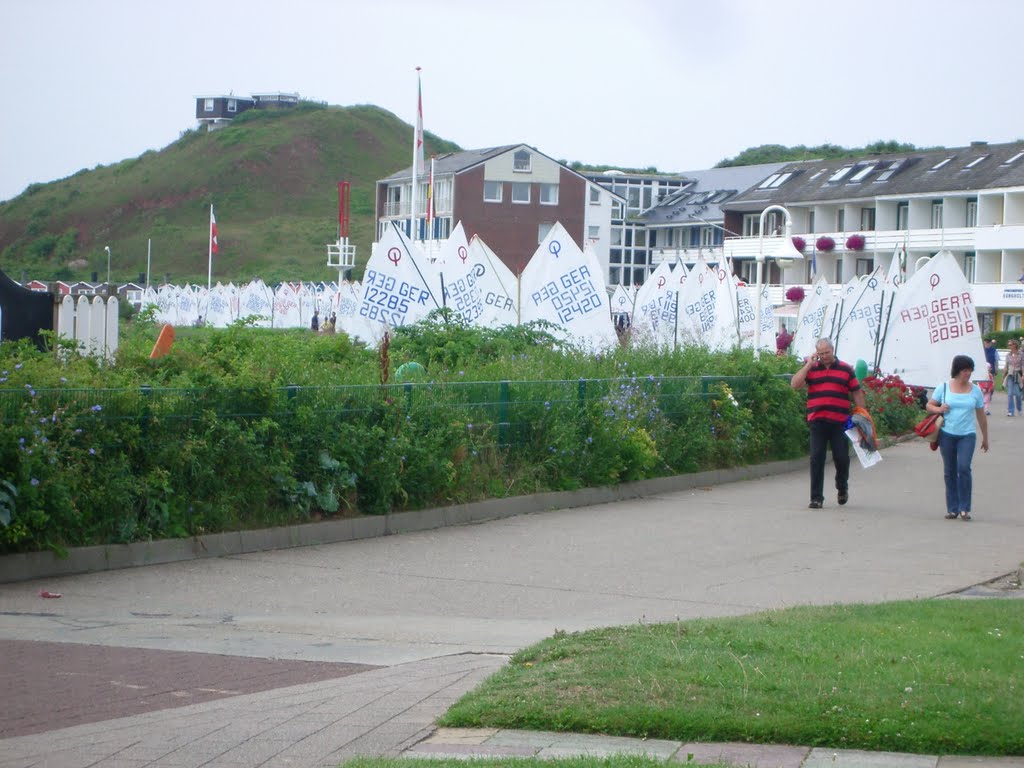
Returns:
<point x="412" y="371"/>
<point x="861" y="369"/>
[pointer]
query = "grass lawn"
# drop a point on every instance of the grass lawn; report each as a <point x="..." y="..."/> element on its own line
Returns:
<point x="616" y="761"/>
<point x="931" y="677"/>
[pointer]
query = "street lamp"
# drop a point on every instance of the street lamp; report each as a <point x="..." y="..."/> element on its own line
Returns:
<point x="107" y="249"/>
<point x="784" y="254"/>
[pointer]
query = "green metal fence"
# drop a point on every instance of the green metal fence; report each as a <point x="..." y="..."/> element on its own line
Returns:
<point x="508" y="406"/>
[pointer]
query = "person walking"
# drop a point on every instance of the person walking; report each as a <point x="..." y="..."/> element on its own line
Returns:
<point x="992" y="360"/>
<point x="1013" y="374"/>
<point x="961" y="403"/>
<point x="831" y="384"/>
<point x="314" y="324"/>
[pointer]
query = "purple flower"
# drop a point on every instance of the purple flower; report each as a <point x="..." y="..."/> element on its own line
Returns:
<point x="96" y="408"/>
<point x="469" y="426"/>
<point x="17" y="367"/>
<point x="34" y="481"/>
<point x="92" y="451"/>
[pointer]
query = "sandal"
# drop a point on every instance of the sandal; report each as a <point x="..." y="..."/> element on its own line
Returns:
<point x="951" y="515"/>
<point x="965" y="515"/>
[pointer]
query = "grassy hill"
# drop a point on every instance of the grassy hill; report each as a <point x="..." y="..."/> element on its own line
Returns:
<point x="271" y="176"/>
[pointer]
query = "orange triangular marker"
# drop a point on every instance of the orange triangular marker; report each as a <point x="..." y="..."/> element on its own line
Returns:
<point x="163" y="342"/>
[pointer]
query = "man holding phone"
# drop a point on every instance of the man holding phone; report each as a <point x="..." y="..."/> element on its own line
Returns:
<point x="831" y="384"/>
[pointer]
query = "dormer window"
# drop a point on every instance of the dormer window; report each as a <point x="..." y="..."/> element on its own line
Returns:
<point x="521" y="161"/>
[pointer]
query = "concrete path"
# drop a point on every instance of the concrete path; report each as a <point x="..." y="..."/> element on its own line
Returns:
<point x="438" y="610"/>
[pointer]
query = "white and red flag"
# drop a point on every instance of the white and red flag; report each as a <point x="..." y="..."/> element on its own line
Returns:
<point x="213" y="232"/>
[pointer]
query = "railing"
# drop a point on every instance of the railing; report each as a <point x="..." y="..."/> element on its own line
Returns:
<point x="511" y="408"/>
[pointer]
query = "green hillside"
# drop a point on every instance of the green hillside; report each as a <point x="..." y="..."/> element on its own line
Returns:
<point x="271" y="176"/>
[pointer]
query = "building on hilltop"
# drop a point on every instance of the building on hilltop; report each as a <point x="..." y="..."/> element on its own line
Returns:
<point x="217" y="111"/>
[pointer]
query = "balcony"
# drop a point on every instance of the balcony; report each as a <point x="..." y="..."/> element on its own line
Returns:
<point x="881" y="242"/>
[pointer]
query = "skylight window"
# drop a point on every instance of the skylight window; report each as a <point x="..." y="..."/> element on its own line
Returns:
<point x="840" y="174"/>
<point x="940" y="164"/>
<point x="862" y="173"/>
<point x="1015" y="158"/>
<point x="783" y="178"/>
<point x="888" y="172"/>
<point x="973" y="163"/>
<point x="767" y="183"/>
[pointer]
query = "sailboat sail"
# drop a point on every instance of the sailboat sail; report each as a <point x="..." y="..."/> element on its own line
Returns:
<point x="565" y="286"/>
<point x="933" y="318"/>
<point x="811" y="318"/>
<point x="499" y="287"/>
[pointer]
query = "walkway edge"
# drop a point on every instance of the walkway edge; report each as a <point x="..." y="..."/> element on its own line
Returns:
<point x="36" y="565"/>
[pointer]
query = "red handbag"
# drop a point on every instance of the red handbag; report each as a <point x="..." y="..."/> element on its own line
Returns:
<point x="929" y="426"/>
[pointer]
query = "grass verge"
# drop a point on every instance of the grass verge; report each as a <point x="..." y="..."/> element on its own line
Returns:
<point x="929" y="677"/>
<point x="615" y="761"/>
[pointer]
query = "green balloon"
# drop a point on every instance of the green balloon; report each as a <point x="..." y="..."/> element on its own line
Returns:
<point x="861" y="369"/>
<point x="410" y="372"/>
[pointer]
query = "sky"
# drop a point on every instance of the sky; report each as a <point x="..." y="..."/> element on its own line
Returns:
<point x="673" y="84"/>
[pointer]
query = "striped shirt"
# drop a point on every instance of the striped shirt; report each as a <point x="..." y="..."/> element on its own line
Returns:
<point x="828" y="391"/>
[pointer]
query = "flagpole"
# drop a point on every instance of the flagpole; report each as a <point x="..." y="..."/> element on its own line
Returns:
<point x="209" y="263"/>
<point x="417" y="143"/>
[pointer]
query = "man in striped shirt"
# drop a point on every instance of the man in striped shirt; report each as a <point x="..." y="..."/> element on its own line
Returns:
<point x="830" y="385"/>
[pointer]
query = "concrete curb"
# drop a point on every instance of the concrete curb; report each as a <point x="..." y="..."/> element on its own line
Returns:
<point x="36" y="565"/>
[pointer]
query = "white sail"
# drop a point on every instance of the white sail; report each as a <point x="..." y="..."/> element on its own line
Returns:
<point x="811" y="318"/>
<point x="457" y="279"/>
<point x="894" y="275"/>
<point x="286" y="307"/>
<point x="622" y="301"/>
<point x="218" y="307"/>
<point x="861" y="320"/>
<point x="698" y="306"/>
<point x="396" y="288"/>
<point x="167" y="305"/>
<point x="933" y="318"/>
<point x="565" y="286"/>
<point x="746" y="312"/>
<point x="725" y="334"/>
<point x="256" y="301"/>
<point x="499" y="287"/>
<point x="654" y="309"/>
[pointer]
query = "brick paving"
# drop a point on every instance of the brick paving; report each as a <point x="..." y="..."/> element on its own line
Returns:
<point x="55" y="685"/>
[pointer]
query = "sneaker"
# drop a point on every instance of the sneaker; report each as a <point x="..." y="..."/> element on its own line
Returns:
<point x="988" y="413"/>
<point x="844" y="496"/>
<point x="814" y="505"/>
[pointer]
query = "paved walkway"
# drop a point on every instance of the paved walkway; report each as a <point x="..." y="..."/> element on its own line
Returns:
<point x="431" y="614"/>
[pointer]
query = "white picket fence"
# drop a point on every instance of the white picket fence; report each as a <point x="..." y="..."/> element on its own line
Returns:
<point x="92" y="322"/>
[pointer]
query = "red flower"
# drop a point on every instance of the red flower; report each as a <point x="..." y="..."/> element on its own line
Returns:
<point x="855" y="243"/>
<point x="825" y="243"/>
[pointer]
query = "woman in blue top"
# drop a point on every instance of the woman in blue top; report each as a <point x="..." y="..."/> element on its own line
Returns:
<point x="961" y="403"/>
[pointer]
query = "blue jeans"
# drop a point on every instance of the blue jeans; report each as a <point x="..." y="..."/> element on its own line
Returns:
<point x="1013" y="394"/>
<point x="957" y="452"/>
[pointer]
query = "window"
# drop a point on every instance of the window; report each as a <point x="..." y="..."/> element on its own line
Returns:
<point x="633" y="197"/>
<point x="865" y="267"/>
<point x="936" y="214"/>
<point x="232" y="105"/>
<point x="595" y="194"/>
<point x="840" y="174"/>
<point x="903" y="216"/>
<point x="707" y="236"/>
<point x="973" y="163"/>
<point x="1014" y="159"/>
<point x="647" y="197"/>
<point x="841" y="220"/>
<point x="888" y="172"/>
<point x="810" y="221"/>
<point x="969" y="263"/>
<point x="208" y="107"/>
<point x="767" y="183"/>
<point x="593" y="233"/>
<point x="751" y="224"/>
<point x="940" y="164"/>
<point x="972" y="213"/>
<point x="549" y="194"/>
<point x="860" y="175"/>
<point x="867" y="219"/>
<point x="492" y="191"/>
<point x="520" y="192"/>
<point x="521" y="161"/>
<point x="543" y="230"/>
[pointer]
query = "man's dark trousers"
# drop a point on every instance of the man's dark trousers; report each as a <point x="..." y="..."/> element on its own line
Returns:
<point x="824" y="433"/>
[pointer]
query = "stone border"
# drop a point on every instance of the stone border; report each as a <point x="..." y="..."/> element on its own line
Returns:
<point x="35" y="565"/>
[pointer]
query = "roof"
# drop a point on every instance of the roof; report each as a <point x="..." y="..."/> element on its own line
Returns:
<point x="705" y="199"/>
<point x="459" y="162"/>
<point x="939" y="171"/>
<point x="227" y="96"/>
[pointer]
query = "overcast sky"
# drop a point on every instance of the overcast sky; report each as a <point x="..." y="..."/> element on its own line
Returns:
<point x="668" y="83"/>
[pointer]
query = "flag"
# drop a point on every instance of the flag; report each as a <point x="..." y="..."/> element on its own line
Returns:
<point x="419" y="122"/>
<point x="213" y="232"/>
<point x="814" y="262"/>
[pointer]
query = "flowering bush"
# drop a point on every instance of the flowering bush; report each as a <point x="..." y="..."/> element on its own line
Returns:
<point x="799" y="243"/>
<point x="825" y="243"/>
<point x="795" y="293"/>
<point x="894" y="405"/>
<point x="855" y="243"/>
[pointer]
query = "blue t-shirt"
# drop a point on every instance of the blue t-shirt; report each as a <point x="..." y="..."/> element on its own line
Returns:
<point x="960" y="420"/>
